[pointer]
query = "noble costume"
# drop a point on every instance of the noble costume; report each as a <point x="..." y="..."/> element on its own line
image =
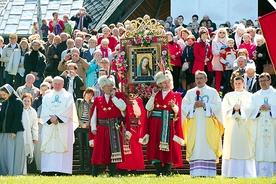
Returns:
<point x="135" y="117"/>
<point x="106" y="119"/>
<point x="164" y="129"/>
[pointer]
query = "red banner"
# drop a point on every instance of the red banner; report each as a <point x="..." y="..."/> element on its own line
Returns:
<point x="267" y="23"/>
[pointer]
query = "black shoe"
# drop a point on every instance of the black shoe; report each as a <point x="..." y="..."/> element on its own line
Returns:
<point x="95" y="170"/>
<point x="168" y="169"/>
<point x="158" y="167"/>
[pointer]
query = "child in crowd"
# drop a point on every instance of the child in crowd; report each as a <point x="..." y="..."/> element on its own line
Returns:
<point x="35" y="28"/>
<point x="228" y="59"/>
<point x="30" y="123"/>
<point x="44" y="28"/>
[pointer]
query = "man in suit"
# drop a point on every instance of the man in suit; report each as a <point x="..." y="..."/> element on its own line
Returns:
<point x="240" y="71"/>
<point x="251" y="80"/>
<point x="79" y="45"/>
<point x="82" y="19"/>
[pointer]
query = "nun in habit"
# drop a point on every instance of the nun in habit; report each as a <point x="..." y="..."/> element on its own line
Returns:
<point x="12" y="152"/>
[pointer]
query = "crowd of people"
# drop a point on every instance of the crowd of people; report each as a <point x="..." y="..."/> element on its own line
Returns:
<point x="66" y="85"/>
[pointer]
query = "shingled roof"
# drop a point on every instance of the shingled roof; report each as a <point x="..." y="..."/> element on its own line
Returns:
<point x="18" y="15"/>
<point x="100" y="11"/>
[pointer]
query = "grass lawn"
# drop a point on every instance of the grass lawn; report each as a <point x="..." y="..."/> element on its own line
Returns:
<point x="143" y="179"/>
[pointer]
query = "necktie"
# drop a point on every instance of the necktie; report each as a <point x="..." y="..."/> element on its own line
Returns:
<point x="81" y="23"/>
<point x="249" y="81"/>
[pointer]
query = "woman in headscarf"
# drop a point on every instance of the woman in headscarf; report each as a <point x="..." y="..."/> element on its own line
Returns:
<point x="12" y="153"/>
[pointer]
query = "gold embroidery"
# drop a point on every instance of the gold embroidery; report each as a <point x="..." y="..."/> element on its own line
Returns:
<point x="106" y="109"/>
<point x="164" y="106"/>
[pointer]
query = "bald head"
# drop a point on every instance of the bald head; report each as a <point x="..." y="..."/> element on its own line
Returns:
<point x="58" y="83"/>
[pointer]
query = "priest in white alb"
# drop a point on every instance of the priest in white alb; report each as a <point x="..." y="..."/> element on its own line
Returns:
<point x="264" y="117"/>
<point x="238" y="144"/>
<point x="201" y="110"/>
<point x="60" y="117"/>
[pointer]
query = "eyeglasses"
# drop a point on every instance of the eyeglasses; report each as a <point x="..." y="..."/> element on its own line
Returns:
<point x="36" y="45"/>
<point x="264" y="80"/>
<point x="199" y="78"/>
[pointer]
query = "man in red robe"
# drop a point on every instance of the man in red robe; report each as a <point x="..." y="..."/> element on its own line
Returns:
<point x="164" y="126"/>
<point x="106" y="118"/>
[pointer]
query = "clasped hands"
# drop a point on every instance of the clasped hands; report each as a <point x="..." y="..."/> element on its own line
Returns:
<point x="54" y="119"/>
<point x="199" y="104"/>
<point x="265" y="107"/>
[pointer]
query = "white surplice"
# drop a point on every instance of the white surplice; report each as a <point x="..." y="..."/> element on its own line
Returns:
<point x="57" y="140"/>
<point x="238" y="141"/>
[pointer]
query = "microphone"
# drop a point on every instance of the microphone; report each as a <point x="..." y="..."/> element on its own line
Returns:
<point x="197" y="95"/>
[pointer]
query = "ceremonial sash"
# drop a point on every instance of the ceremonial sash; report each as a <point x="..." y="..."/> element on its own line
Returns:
<point x="126" y="141"/>
<point x="166" y="116"/>
<point x="113" y="125"/>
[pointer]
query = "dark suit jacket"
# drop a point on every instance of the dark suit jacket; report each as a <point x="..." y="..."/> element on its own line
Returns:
<point x="40" y="66"/>
<point x="12" y="111"/>
<point x="86" y="21"/>
<point x="87" y="55"/>
<point x="77" y="83"/>
<point x="255" y="86"/>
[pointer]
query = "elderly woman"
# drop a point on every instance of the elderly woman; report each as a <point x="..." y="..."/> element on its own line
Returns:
<point x="260" y="56"/>
<point x="35" y="63"/>
<point x="16" y="63"/>
<point x="91" y="72"/>
<point x="12" y="153"/>
<point x="237" y="35"/>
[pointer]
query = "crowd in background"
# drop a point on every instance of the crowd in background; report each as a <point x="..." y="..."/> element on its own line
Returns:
<point x="80" y="56"/>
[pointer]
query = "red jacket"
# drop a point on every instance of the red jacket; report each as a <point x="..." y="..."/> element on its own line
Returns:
<point x="113" y="42"/>
<point x="102" y="148"/>
<point x="175" y="49"/>
<point x="200" y="55"/>
<point x="60" y="22"/>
